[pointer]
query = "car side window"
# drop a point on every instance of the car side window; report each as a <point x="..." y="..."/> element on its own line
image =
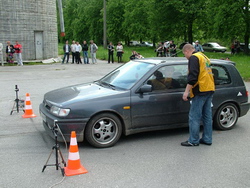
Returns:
<point x="221" y="75"/>
<point x="169" y="77"/>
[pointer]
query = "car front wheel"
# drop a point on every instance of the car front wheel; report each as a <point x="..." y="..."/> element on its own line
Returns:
<point x="103" y="130"/>
<point x="226" y="117"/>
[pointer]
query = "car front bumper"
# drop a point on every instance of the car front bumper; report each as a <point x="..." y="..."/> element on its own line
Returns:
<point x="64" y="126"/>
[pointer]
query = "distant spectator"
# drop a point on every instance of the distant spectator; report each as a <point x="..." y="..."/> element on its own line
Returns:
<point x="1" y="53"/>
<point x="111" y="49"/>
<point x="198" y="47"/>
<point x="78" y="53"/>
<point x="85" y="49"/>
<point x="232" y="49"/>
<point x="119" y="49"/>
<point x="93" y="49"/>
<point x="66" y="49"/>
<point x="160" y="50"/>
<point x="18" y="51"/>
<point x="135" y="55"/>
<point x="172" y="49"/>
<point x="166" y="48"/>
<point x="73" y="51"/>
<point x="237" y="46"/>
<point x="9" y="52"/>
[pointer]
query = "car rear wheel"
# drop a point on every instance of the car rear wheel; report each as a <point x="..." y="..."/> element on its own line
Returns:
<point x="226" y="116"/>
<point x="103" y="130"/>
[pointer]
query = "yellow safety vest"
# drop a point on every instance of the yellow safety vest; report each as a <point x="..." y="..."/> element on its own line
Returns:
<point x="205" y="79"/>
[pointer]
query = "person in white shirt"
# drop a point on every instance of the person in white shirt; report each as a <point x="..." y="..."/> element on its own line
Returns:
<point x="78" y="52"/>
<point x="119" y="49"/>
<point x="73" y="51"/>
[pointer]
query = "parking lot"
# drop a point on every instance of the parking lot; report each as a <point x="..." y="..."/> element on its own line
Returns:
<point x="153" y="159"/>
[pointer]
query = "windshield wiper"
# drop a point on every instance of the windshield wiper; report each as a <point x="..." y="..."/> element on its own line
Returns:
<point x="108" y="84"/>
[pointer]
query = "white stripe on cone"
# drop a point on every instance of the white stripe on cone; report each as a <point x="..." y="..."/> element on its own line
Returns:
<point x="74" y="156"/>
<point x="28" y="107"/>
<point x="73" y="142"/>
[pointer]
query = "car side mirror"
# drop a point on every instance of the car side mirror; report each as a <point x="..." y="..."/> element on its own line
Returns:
<point x="145" y="88"/>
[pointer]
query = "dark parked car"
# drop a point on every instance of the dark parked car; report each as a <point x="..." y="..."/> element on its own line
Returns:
<point x="133" y="99"/>
<point x="213" y="47"/>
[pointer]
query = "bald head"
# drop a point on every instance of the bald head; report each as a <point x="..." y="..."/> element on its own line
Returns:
<point x="188" y="50"/>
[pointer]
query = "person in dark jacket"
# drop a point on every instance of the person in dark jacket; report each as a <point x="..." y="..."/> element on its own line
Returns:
<point x="85" y="49"/>
<point x="66" y="49"/>
<point x="10" y="50"/>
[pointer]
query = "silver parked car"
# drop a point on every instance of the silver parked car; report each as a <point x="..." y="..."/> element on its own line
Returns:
<point x="213" y="47"/>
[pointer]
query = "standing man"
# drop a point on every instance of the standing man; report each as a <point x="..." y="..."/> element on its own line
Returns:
<point x="93" y="49"/>
<point x="198" y="47"/>
<point x="201" y="88"/>
<point x="66" y="49"/>
<point x="78" y="53"/>
<point x="111" y="49"/>
<point x="85" y="49"/>
<point x="172" y="49"/>
<point x="1" y="53"/>
<point x="18" y="51"/>
<point x="73" y="51"/>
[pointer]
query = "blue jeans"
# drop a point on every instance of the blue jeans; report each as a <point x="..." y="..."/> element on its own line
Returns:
<point x="201" y="110"/>
<point x="66" y="54"/>
<point x="85" y="57"/>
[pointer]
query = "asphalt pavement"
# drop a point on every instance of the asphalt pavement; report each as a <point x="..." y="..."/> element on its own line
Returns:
<point x="152" y="159"/>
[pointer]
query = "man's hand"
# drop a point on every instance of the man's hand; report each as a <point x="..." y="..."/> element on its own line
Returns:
<point x="185" y="96"/>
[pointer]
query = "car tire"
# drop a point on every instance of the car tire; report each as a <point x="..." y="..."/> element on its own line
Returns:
<point x="103" y="130"/>
<point x="226" y="116"/>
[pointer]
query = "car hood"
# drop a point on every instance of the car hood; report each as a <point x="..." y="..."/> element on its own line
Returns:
<point x="73" y="94"/>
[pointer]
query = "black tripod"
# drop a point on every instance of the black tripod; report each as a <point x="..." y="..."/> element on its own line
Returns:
<point x="56" y="147"/>
<point x="18" y="103"/>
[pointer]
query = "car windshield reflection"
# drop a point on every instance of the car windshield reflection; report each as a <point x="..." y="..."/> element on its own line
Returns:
<point x="127" y="75"/>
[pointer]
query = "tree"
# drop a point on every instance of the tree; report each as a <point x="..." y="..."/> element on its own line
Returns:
<point x="231" y="20"/>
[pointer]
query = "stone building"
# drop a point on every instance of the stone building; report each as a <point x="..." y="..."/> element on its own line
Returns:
<point x="33" y="23"/>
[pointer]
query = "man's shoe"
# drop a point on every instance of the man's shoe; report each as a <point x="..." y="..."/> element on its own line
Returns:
<point x="202" y="142"/>
<point x="187" y="143"/>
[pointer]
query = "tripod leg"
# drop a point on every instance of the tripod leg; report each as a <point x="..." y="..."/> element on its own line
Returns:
<point x="62" y="157"/>
<point x="13" y="108"/>
<point x="48" y="159"/>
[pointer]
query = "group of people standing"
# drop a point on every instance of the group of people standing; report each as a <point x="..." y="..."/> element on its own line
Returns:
<point x="166" y="49"/>
<point x="75" y="49"/>
<point x="10" y="51"/>
<point x="111" y="49"/>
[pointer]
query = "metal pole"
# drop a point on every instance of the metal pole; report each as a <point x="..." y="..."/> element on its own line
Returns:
<point x="61" y="17"/>
<point x="104" y="25"/>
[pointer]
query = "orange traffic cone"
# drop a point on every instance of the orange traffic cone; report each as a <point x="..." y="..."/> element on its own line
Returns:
<point x="74" y="166"/>
<point x="28" y="108"/>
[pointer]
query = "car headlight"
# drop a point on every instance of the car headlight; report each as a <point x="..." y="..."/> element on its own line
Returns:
<point x="59" y="111"/>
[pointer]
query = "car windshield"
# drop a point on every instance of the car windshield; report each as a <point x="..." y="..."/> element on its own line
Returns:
<point x="127" y="75"/>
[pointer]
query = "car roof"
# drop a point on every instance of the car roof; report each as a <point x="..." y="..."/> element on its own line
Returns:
<point x="178" y="60"/>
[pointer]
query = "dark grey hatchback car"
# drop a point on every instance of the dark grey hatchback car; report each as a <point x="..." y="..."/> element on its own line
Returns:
<point x="141" y="95"/>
